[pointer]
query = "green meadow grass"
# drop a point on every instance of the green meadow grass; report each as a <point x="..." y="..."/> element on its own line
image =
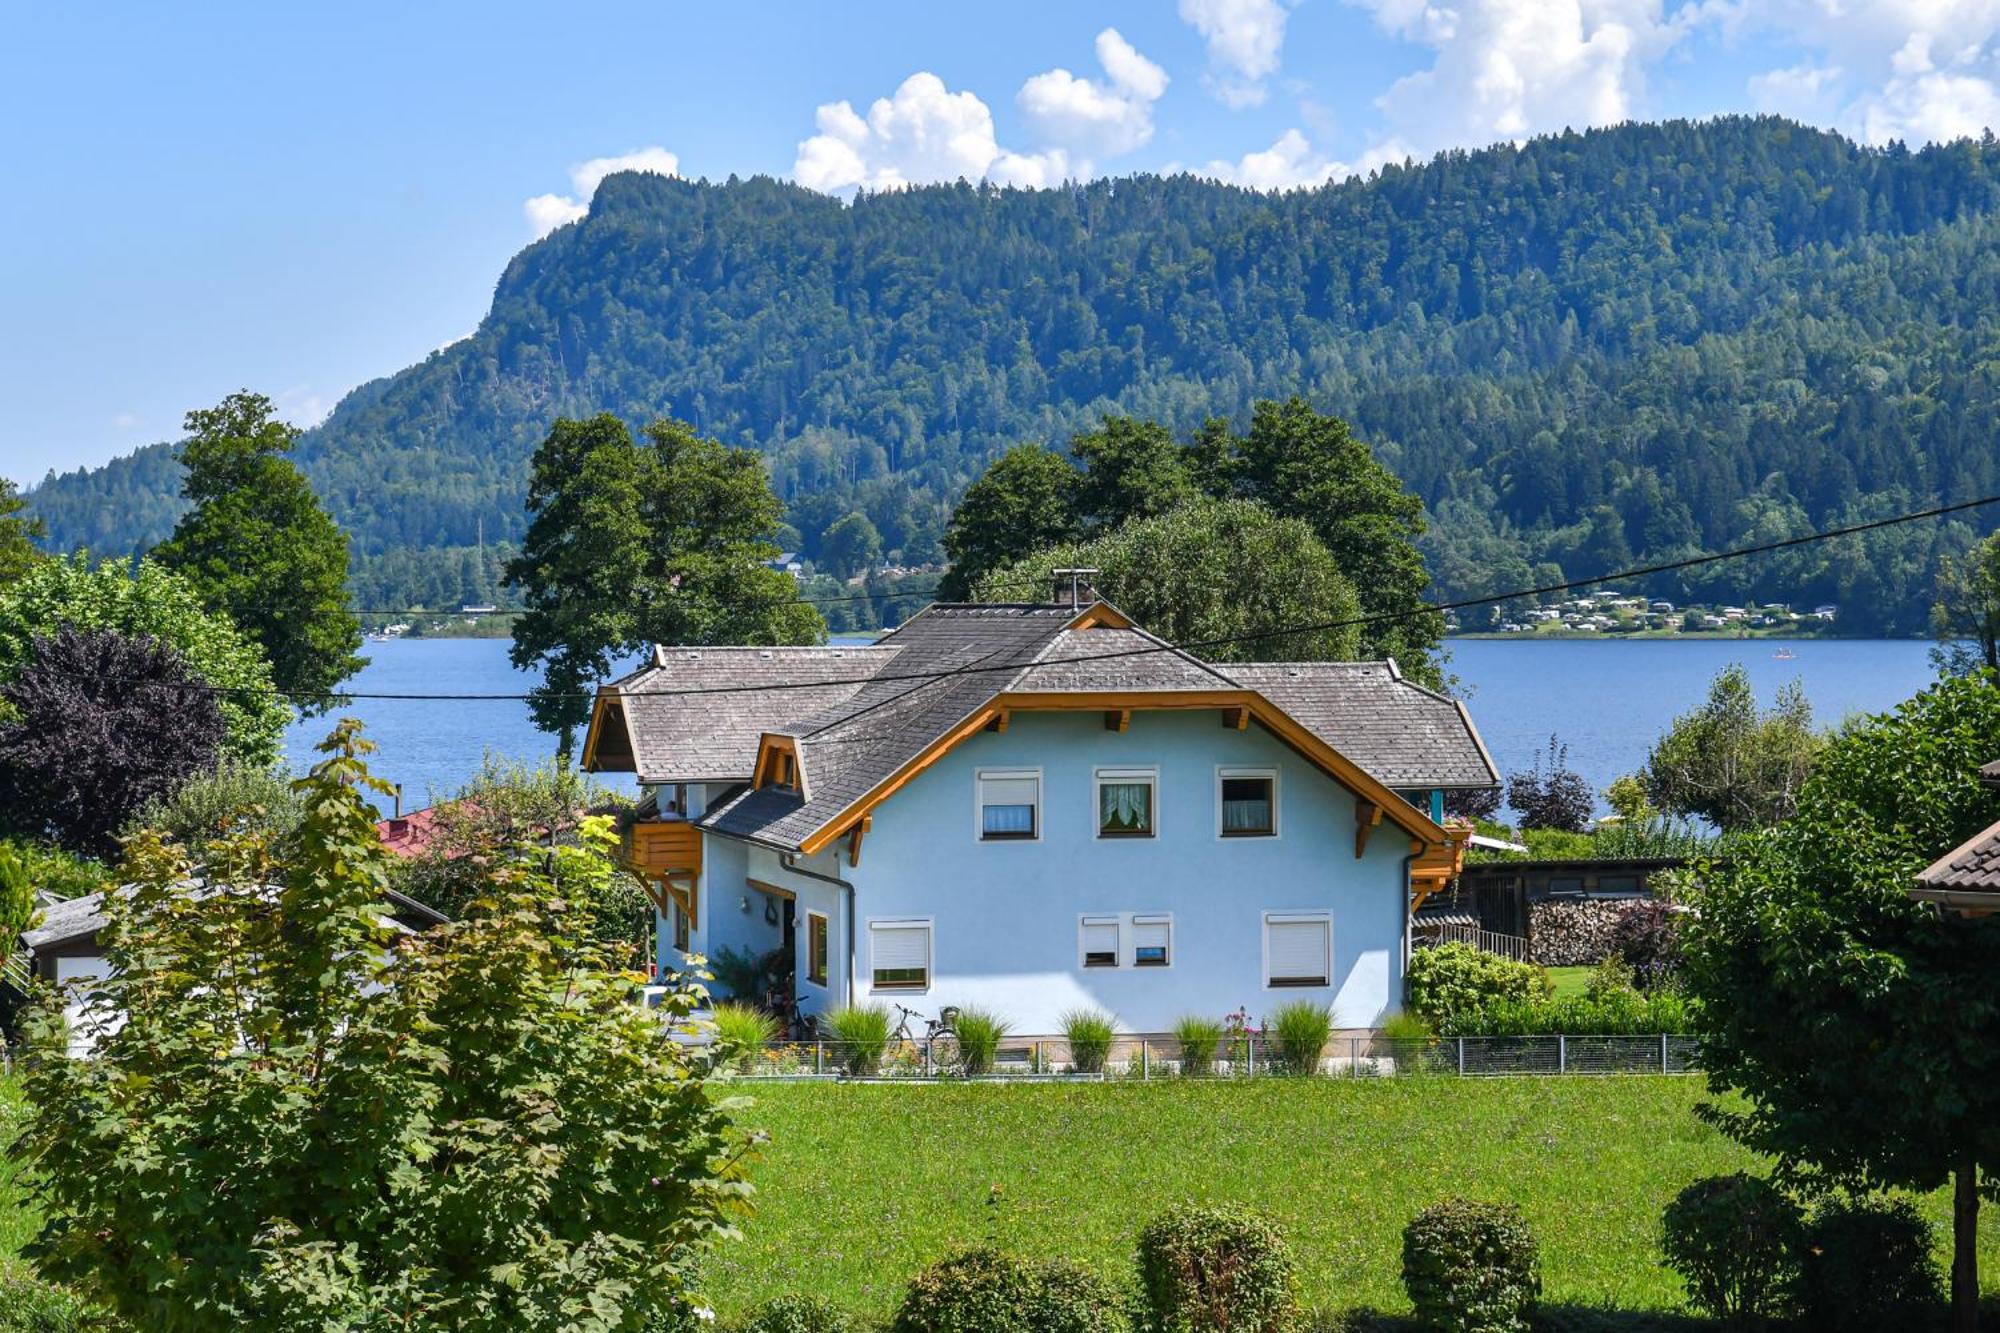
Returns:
<point x="862" y="1185"/>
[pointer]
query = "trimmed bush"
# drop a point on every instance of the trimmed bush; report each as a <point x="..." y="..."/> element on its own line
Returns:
<point x="980" y="1033"/>
<point x="743" y="1030"/>
<point x="987" y="1291"/>
<point x="1451" y="980"/>
<point x="1868" y="1264"/>
<point x="797" y="1314"/>
<point x="1735" y="1241"/>
<point x="861" y="1034"/>
<point x="1216" y="1270"/>
<point x="1299" y="1033"/>
<point x="1090" y="1035"/>
<point x="1198" y="1039"/>
<point x="1471" y="1267"/>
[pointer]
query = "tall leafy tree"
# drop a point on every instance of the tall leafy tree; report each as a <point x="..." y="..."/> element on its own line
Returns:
<point x="1210" y="570"/>
<point x="1551" y="795"/>
<point x="258" y="545"/>
<point x="305" y="1123"/>
<point x="1131" y="469"/>
<point x="92" y="727"/>
<point x="850" y="546"/>
<point x="1856" y="1024"/>
<point x="1966" y="616"/>
<point x="1025" y="502"/>
<point x="1732" y="763"/>
<point x="18" y="534"/>
<point x="141" y="599"/>
<point x="632" y="544"/>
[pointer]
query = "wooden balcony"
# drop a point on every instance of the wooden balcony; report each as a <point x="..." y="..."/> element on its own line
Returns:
<point x="666" y="854"/>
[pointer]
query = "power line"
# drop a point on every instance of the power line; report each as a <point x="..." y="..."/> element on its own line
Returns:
<point x="1353" y="622"/>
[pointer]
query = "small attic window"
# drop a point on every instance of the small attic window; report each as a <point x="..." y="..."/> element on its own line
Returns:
<point x="765" y="653"/>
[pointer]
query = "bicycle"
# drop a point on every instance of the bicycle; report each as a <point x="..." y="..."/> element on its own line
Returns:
<point x="940" y="1035"/>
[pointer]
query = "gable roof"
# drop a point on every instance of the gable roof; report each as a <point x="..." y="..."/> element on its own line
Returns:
<point x="877" y="715"/>
<point x="1990" y="774"/>
<point x="1971" y="867"/>
<point x="81" y="917"/>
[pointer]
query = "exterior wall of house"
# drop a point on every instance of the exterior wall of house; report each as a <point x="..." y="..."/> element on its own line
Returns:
<point x="1006" y="915"/>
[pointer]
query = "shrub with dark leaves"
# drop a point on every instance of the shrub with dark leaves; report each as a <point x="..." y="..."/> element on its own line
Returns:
<point x="1868" y="1265"/>
<point x="1216" y="1270"/>
<point x="1474" y="803"/>
<point x="1735" y="1240"/>
<point x="96" y="724"/>
<point x="1647" y="937"/>
<point x="1471" y="1267"/>
<point x="1550" y="795"/>
<point x="988" y="1291"/>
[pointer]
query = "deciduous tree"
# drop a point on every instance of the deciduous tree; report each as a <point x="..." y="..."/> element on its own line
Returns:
<point x="1024" y="502"/>
<point x="1966" y="616"/>
<point x="141" y="599"/>
<point x="850" y="546"/>
<point x="1854" y="1023"/>
<point x="1731" y="763"/>
<point x="258" y="545"/>
<point x="92" y="727"/>
<point x="18" y="534"/>
<point x="635" y="544"/>
<point x="1551" y="795"/>
<point x="306" y="1123"/>
<point x="1211" y="570"/>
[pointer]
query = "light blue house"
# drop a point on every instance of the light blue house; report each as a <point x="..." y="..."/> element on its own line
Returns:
<point x="1037" y="808"/>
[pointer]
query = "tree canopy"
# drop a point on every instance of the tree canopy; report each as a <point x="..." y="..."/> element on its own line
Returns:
<point x="19" y="531"/>
<point x="1024" y="503"/>
<point x="94" y="725"/>
<point x="473" y="1130"/>
<point x="1855" y="1022"/>
<point x="143" y="599"/>
<point x="1732" y="763"/>
<point x="1207" y="571"/>
<point x="1966" y="616"/>
<point x="258" y="545"/>
<point x="632" y="544"/>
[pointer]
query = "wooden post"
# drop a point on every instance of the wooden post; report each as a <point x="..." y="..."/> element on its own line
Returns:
<point x="1965" y="1244"/>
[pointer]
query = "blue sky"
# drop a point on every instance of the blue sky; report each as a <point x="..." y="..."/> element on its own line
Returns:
<point x="300" y="198"/>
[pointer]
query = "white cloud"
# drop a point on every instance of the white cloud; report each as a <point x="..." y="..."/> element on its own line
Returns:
<point x="1288" y="164"/>
<point x="1916" y="70"/>
<point x="1088" y="118"/>
<point x="1803" y="92"/>
<point x="546" y="212"/>
<point x="126" y="421"/>
<point x="302" y="406"/>
<point x="923" y="133"/>
<point x="1243" y="38"/>
<point x="1509" y="69"/>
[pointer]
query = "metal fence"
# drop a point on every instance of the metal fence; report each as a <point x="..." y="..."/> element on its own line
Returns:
<point x="1161" y="1056"/>
<point x="1515" y="947"/>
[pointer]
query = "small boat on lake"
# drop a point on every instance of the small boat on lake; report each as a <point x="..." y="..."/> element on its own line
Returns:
<point x="1784" y="655"/>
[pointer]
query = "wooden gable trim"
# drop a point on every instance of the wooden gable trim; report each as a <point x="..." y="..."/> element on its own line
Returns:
<point x="1118" y="720"/>
<point x="1268" y="715"/>
<point x="780" y="764"/>
<point x="1367" y="814"/>
<point x="1101" y="615"/>
<point x="860" y="830"/>
<point x="606" y="700"/>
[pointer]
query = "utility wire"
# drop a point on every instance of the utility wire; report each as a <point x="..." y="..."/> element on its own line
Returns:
<point x="1353" y="622"/>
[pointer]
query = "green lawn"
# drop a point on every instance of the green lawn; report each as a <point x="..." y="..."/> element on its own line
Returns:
<point x="861" y="1185"/>
<point x="1570" y="980"/>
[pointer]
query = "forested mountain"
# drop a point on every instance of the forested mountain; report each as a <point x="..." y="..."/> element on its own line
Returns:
<point x="1629" y="343"/>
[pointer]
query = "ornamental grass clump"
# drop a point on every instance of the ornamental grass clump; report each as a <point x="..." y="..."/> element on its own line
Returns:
<point x="743" y="1031"/>
<point x="1216" y="1270"/>
<point x="1299" y="1032"/>
<point x="860" y="1035"/>
<point x="1090" y="1034"/>
<point x="1471" y="1268"/>
<point x="980" y="1033"/>
<point x="987" y="1291"/>
<point x="1735" y="1240"/>
<point x="1198" y="1039"/>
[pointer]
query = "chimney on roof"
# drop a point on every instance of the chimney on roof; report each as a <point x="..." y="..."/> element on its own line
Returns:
<point x="399" y="801"/>
<point x="1074" y="587"/>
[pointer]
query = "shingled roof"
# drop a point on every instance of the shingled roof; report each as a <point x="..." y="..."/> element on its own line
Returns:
<point x="1971" y="867"/>
<point x="858" y="720"/>
<point x="1990" y="774"/>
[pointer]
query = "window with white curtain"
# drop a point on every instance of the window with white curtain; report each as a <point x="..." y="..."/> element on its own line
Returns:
<point x="1125" y="802"/>
<point x="1152" y="941"/>
<point x="1098" y="942"/>
<point x="899" y="955"/>
<point x="1248" y="801"/>
<point x="1298" y="948"/>
<point x="1010" y="804"/>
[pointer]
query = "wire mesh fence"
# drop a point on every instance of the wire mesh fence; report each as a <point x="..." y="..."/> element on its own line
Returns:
<point x="1162" y="1056"/>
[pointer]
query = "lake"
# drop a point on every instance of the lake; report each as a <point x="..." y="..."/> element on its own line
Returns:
<point x="1608" y="700"/>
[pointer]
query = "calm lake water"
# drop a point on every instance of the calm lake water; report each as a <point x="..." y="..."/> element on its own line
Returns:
<point x="1607" y="700"/>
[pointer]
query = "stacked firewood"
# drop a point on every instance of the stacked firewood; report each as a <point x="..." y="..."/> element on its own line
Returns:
<point x="1572" y="934"/>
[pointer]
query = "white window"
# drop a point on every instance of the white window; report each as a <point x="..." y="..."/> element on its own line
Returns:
<point x="1098" y="941"/>
<point x="1298" y="949"/>
<point x="1246" y="801"/>
<point x="899" y="954"/>
<point x="1010" y="805"/>
<point x="1152" y="941"/>
<point x="1126" y="802"/>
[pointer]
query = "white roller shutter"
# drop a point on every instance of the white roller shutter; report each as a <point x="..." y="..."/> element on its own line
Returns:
<point x="900" y="954"/>
<point x="1298" y="950"/>
<point x="1100" y="941"/>
<point x="1151" y="941"/>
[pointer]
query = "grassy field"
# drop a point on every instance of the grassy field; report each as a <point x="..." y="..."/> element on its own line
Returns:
<point x="1571" y="980"/>
<point x="862" y="1185"/>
